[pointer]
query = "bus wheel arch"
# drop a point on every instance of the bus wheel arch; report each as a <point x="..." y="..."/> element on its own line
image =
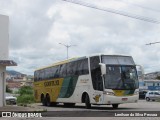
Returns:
<point x="86" y="100"/>
<point x="83" y="97"/>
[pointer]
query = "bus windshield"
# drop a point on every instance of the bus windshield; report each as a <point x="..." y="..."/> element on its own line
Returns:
<point x="121" y="77"/>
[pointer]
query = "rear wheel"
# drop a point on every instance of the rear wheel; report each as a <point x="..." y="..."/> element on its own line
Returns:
<point x="147" y="99"/>
<point x="115" y="106"/>
<point x="87" y="102"/>
<point x="48" y="100"/>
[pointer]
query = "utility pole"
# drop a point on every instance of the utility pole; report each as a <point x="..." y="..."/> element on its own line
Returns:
<point x="67" y="46"/>
<point x="152" y="43"/>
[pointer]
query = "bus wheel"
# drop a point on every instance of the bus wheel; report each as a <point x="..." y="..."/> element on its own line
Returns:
<point x="44" y="102"/>
<point x="115" y="106"/>
<point x="87" y="102"/>
<point x="48" y="100"/>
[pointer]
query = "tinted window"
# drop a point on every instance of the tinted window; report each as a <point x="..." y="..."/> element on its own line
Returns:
<point x="56" y="72"/>
<point x="71" y="68"/>
<point x="82" y="67"/>
<point x="63" y="70"/>
<point x="35" y="76"/>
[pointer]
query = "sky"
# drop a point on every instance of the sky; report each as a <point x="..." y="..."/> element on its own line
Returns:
<point x="38" y="26"/>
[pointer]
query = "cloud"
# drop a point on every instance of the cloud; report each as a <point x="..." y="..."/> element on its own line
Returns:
<point x="37" y="27"/>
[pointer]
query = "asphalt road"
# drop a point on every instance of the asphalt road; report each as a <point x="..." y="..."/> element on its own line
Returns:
<point x="141" y="107"/>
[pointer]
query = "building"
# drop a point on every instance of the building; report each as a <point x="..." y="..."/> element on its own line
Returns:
<point x="152" y="84"/>
<point x="4" y="53"/>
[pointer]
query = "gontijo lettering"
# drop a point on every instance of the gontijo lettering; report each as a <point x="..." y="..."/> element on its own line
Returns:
<point x="51" y="83"/>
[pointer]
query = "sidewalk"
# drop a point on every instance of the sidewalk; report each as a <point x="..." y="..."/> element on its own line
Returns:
<point x="19" y="108"/>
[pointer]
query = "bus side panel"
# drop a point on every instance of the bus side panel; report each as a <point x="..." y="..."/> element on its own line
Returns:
<point x="51" y="87"/>
<point x="84" y="85"/>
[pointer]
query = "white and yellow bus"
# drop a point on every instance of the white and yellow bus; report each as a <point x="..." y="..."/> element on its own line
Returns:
<point x="99" y="80"/>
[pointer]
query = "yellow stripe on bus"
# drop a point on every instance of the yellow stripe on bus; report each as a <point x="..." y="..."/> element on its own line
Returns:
<point x="52" y="87"/>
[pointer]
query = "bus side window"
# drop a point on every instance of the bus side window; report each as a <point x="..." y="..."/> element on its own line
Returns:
<point x="85" y="66"/>
<point x="35" y="76"/>
<point x="82" y="67"/>
<point x="56" y="73"/>
<point x="78" y="71"/>
<point x="63" y="70"/>
<point x="71" y="68"/>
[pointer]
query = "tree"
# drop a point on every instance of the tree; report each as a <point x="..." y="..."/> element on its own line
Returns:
<point x="26" y="90"/>
<point x="8" y="90"/>
<point x="158" y="77"/>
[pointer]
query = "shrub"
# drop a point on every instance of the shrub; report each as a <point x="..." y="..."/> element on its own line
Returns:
<point x="25" y="99"/>
<point x="25" y="90"/>
<point x="26" y="95"/>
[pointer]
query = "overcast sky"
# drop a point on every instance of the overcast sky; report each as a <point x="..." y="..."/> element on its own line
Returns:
<point x="38" y="26"/>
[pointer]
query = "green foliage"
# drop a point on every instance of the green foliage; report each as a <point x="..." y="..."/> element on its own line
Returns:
<point x="8" y="90"/>
<point x="26" y="95"/>
<point x="25" y="99"/>
<point x="25" y="90"/>
<point x="158" y="77"/>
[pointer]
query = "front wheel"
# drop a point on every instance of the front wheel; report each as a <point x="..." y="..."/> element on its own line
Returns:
<point x="115" y="106"/>
<point x="87" y="102"/>
<point x="147" y="99"/>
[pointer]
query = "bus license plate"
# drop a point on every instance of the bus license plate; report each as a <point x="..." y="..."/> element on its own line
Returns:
<point x="124" y="99"/>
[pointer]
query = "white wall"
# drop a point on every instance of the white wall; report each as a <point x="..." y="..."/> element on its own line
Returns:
<point x="2" y="85"/>
<point x="4" y="37"/>
<point x="4" y="51"/>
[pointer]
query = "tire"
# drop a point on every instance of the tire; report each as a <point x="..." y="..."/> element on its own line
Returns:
<point x="69" y="104"/>
<point x="147" y="99"/>
<point x="87" y="102"/>
<point x="44" y="103"/>
<point x="48" y="103"/>
<point x="115" y="106"/>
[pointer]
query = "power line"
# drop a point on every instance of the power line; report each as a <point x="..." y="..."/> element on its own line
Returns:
<point x="137" y="5"/>
<point x="147" y="19"/>
<point x="152" y="43"/>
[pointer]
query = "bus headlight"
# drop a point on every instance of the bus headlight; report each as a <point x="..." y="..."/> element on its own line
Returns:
<point x="108" y="93"/>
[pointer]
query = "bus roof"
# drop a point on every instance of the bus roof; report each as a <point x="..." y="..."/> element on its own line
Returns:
<point x="75" y="59"/>
<point x="62" y="62"/>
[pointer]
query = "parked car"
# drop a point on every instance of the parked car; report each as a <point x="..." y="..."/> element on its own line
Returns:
<point x="10" y="100"/>
<point x="152" y="95"/>
<point x="142" y="94"/>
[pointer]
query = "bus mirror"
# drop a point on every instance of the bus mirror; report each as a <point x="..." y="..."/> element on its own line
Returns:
<point x="103" y="68"/>
<point x="140" y="72"/>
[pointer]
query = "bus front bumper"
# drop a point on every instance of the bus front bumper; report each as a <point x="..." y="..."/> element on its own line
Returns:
<point x="108" y="99"/>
